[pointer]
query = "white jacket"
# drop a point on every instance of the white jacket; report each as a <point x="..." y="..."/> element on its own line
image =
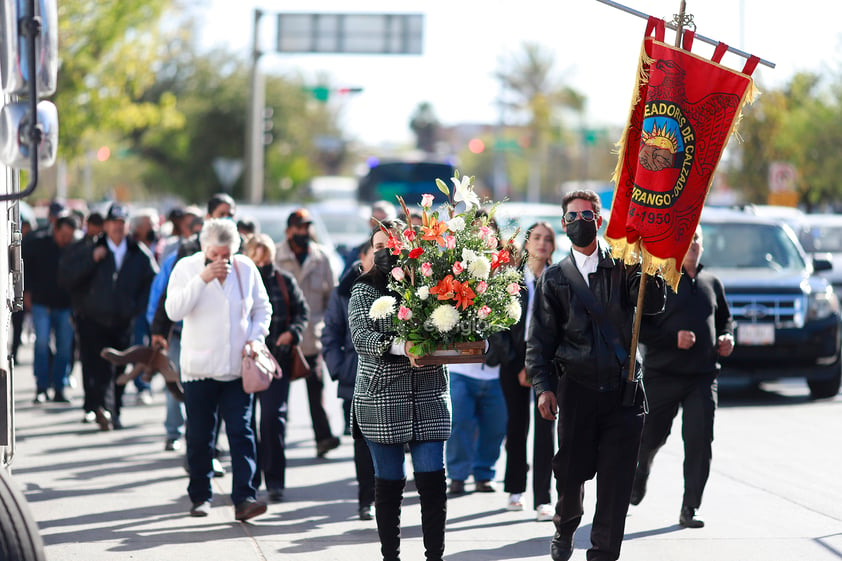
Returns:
<point x="216" y="325"/>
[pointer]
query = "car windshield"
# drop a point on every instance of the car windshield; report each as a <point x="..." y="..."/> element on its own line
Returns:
<point x="743" y="245"/>
<point x="822" y="238"/>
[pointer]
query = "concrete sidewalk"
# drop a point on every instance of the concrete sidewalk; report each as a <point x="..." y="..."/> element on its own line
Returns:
<point x="119" y="495"/>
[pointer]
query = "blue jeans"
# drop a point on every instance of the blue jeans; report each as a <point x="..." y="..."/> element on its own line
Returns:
<point x="140" y="336"/>
<point x="204" y="400"/>
<point x="174" y="421"/>
<point x="389" y="458"/>
<point x="46" y="321"/>
<point x="479" y="427"/>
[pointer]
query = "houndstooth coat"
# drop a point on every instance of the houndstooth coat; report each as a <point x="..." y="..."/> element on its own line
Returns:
<point x="394" y="403"/>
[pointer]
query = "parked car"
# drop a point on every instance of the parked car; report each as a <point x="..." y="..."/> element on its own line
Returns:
<point x="271" y="219"/>
<point x="346" y="223"/>
<point x="788" y="319"/>
<point x="821" y="236"/>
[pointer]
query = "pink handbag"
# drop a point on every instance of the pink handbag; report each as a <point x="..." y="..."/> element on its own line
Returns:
<point x="259" y="368"/>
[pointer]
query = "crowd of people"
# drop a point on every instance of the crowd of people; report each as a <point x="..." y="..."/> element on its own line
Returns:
<point x="201" y="286"/>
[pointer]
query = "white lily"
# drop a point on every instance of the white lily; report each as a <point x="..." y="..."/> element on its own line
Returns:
<point x="464" y="192"/>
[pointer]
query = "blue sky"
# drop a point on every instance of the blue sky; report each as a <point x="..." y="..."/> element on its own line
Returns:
<point x="595" y="45"/>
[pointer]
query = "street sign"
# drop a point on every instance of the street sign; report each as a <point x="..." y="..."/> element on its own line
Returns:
<point x="782" y="177"/>
<point x="386" y="34"/>
<point x="227" y="170"/>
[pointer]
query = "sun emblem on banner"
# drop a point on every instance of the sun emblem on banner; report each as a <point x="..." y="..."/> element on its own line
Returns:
<point x="658" y="147"/>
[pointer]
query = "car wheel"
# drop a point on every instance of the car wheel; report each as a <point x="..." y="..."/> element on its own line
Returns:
<point x="19" y="537"/>
<point x="823" y="389"/>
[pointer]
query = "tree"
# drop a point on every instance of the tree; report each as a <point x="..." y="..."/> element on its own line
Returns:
<point x="530" y="93"/>
<point x="800" y="123"/>
<point x="108" y="55"/>
<point x="425" y="125"/>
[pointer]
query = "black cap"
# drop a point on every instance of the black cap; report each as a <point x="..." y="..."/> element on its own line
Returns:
<point x="117" y="212"/>
<point x="299" y="217"/>
<point x="56" y="208"/>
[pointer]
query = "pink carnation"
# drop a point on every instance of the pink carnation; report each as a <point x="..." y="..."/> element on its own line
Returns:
<point x="427" y="200"/>
<point x="491" y="242"/>
<point x="398" y="274"/>
<point x="426" y="269"/>
<point x="513" y="288"/>
<point x="484" y="232"/>
<point x="482" y="313"/>
<point x="404" y="313"/>
<point x="450" y="242"/>
<point x="458" y="267"/>
<point x="482" y="286"/>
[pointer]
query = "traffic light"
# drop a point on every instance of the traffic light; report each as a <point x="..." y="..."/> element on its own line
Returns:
<point x="268" y="125"/>
<point x="323" y="93"/>
<point x="28" y="68"/>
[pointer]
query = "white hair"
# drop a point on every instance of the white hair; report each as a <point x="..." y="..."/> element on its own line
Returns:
<point x="220" y="232"/>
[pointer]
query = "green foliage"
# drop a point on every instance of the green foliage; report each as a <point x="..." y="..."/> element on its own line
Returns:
<point x="800" y="123"/>
<point x="108" y="53"/>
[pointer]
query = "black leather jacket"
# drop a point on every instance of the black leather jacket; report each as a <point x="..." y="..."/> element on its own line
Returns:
<point x="98" y="291"/>
<point x="564" y="338"/>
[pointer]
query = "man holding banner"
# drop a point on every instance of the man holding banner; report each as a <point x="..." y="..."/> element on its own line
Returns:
<point x="577" y="356"/>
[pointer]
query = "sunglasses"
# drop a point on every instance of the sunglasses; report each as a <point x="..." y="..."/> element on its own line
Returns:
<point x="586" y="215"/>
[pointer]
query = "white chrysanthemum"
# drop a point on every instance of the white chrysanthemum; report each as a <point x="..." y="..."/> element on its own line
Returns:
<point x="423" y="292"/>
<point x="382" y="308"/>
<point x="513" y="309"/>
<point x="480" y="268"/>
<point x="456" y="224"/>
<point x="445" y="318"/>
<point x="468" y="255"/>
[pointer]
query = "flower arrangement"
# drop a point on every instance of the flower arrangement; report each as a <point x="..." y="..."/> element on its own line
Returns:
<point x="453" y="277"/>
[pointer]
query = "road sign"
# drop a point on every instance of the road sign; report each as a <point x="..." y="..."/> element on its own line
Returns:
<point x="782" y="177"/>
<point x="227" y="170"/>
<point x="385" y="34"/>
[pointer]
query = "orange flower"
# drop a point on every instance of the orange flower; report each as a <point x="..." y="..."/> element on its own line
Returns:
<point x="446" y="288"/>
<point x="434" y="231"/>
<point x="464" y="295"/>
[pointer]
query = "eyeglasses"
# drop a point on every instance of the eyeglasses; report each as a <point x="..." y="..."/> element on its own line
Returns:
<point x="586" y="215"/>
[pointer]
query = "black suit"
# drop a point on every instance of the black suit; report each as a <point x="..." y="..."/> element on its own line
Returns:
<point x="567" y="353"/>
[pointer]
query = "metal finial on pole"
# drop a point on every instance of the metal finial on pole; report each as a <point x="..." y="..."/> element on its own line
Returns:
<point x="681" y="20"/>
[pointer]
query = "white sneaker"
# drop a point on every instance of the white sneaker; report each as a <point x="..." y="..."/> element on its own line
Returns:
<point x="544" y="513"/>
<point x="515" y="502"/>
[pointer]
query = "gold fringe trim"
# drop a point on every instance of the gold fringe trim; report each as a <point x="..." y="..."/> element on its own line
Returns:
<point x="636" y="254"/>
<point x="641" y="78"/>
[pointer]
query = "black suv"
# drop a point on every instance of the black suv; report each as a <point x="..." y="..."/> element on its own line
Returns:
<point x="788" y="320"/>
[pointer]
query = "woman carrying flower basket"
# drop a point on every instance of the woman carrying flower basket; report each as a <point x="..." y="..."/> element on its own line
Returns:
<point x="395" y="404"/>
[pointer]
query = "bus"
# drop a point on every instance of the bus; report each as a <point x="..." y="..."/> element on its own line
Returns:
<point x="385" y="181"/>
<point x="28" y="140"/>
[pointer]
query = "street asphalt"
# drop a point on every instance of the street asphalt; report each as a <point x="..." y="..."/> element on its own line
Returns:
<point x="118" y="495"/>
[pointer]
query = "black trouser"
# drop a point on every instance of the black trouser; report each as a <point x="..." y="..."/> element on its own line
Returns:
<point x="315" y="392"/>
<point x="17" y="332"/>
<point x="99" y="375"/>
<point x="597" y="436"/>
<point x="271" y="449"/>
<point x="697" y="397"/>
<point x="518" y="400"/>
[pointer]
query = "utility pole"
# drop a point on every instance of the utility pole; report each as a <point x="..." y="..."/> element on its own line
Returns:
<point x="254" y="121"/>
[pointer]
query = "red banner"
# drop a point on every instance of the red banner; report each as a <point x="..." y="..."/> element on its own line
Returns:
<point x="684" y="110"/>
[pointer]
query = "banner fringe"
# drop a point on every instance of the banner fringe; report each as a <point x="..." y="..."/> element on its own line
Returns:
<point x="642" y="78"/>
<point x="636" y="254"/>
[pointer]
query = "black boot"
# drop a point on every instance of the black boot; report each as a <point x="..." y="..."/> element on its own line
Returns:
<point x="432" y="490"/>
<point x="641" y="474"/>
<point x="388" y="494"/>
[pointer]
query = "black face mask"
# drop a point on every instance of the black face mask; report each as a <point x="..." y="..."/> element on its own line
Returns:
<point x="301" y="240"/>
<point x="384" y="260"/>
<point x="581" y="232"/>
